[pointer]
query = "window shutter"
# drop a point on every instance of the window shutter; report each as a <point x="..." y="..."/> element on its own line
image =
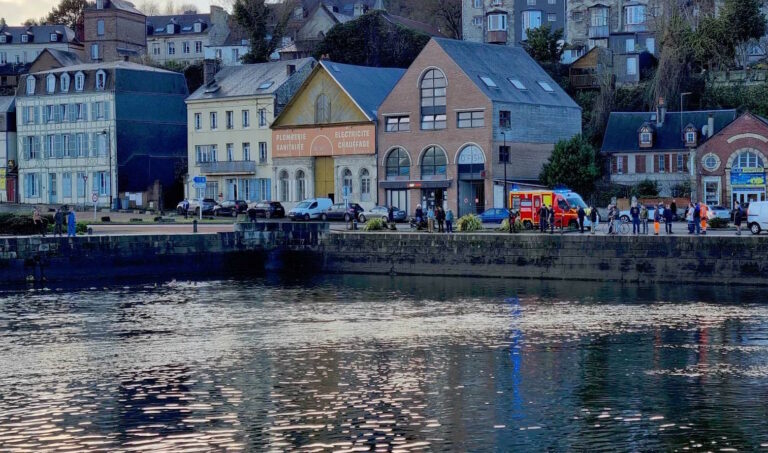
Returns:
<point x="37" y="114"/>
<point x="639" y="163"/>
<point x="673" y="167"/>
<point x="106" y="110"/>
<point x="59" y="141"/>
<point x="655" y="163"/>
<point x="625" y="165"/>
<point x="45" y="114"/>
<point x="614" y="166"/>
<point x="24" y="115"/>
<point x="95" y="178"/>
<point x="269" y="189"/>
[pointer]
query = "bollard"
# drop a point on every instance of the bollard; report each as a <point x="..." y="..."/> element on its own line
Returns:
<point x="90" y="231"/>
<point x="194" y="226"/>
<point x="354" y="224"/>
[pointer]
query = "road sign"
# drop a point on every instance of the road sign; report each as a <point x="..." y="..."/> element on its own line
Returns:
<point x="345" y="191"/>
<point x="200" y="182"/>
<point x="95" y="197"/>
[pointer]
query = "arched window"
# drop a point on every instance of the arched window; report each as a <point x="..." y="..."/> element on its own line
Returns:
<point x="748" y="159"/>
<point x="101" y="80"/>
<point x="471" y="160"/>
<point x="64" y="82"/>
<point x="433" y="163"/>
<point x="346" y="178"/>
<point x="30" y="85"/>
<point x="433" y="91"/>
<point x="79" y="81"/>
<point x="365" y="185"/>
<point x="50" y="83"/>
<point x="301" y="184"/>
<point x="284" y="185"/>
<point x="322" y="109"/>
<point x="398" y="164"/>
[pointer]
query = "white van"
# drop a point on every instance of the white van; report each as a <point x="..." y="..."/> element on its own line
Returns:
<point x="314" y="208"/>
<point x="757" y="216"/>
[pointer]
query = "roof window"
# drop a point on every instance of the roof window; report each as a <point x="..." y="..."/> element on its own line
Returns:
<point x="265" y="85"/>
<point x="517" y="84"/>
<point x="488" y="82"/>
<point x="546" y="86"/>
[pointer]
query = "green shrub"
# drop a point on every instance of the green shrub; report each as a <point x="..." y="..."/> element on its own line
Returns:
<point x="20" y="224"/>
<point x="469" y="223"/>
<point x="505" y="225"/>
<point x="81" y="227"/>
<point x="717" y="222"/>
<point x="375" y="224"/>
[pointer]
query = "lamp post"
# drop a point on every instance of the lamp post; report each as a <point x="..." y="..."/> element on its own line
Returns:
<point x="107" y="133"/>
<point x="505" y="158"/>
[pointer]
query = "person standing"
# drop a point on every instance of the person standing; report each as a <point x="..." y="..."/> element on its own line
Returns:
<point x="186" y="208"/>
<point x="581" y="214"/>
<point x="634" y="213"/>
<point x="704" y="211"/>
<point x="440" y="214"/>
<point x="449" y="220"/>
<point x="689" y="218"/>
<point x="543" y="214"/>
<point x="738" y="215"/>
<point x="431" y="219"/>
<point x="644" y="219"/>
<point x="391" y="218"/>
<point x="657" y="216"/>
<point x="419" y="214"/>
<point x="673" y="208"/>
<point x="697" y="218"/>
<point x="58" y="222"/>
<point x="593" y="219"/>
<point x="669" y="216"/>
<point x="71" y="224"/>
<point x="38" y="221"/>
<point x="551" y="219"/>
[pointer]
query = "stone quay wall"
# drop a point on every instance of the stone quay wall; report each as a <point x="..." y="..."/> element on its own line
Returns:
<point x="646" y="259"/>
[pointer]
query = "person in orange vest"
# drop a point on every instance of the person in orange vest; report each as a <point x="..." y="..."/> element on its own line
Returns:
<point x="704" y="211"/>
<point x="657" y="215"/>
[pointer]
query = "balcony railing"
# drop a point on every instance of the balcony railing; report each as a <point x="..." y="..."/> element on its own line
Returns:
<point x="496" y="37"/>
<point x="599" y="31"/>
<point x="228" y="167"/>
<point x="635" y="27"/>
<point x="584" y="81"/>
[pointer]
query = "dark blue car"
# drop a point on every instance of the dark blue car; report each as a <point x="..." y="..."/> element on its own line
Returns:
<point x="494" y="215"/>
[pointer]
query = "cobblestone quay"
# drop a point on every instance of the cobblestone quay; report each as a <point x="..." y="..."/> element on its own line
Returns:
<point x="676" y="259"/>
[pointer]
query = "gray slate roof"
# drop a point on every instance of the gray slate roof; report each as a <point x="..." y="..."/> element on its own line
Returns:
<point x="63" y="57"/>
<point x="42" y="34"/>
<point x="621" y="133"/>
<point x="236" y="81"/>
<point x="6" y="103"/>
<point x="109" y="65"/>
<point x="501" y="63"/>
<point x="156" y="25"/>
<point x="366" y="85"/>
<point x="122" y="5"/>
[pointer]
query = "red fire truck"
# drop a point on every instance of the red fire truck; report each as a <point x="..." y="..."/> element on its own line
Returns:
<point x="565" y="202"/>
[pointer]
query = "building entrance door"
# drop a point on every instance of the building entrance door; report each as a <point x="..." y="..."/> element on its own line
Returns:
<point x="324" y="180"/>
<point x="432" y="197"/>
<point x="471" y="166"/>
<point x="748" y="196"/>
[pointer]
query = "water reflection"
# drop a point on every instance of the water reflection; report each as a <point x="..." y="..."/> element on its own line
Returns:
<point x="361" y="363"/>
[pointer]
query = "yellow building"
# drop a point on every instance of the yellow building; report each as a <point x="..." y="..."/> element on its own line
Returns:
<point x="325" y="139"/>
<point x="229" y="140"/>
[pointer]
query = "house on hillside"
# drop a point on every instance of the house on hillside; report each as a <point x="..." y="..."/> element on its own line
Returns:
<point x="184" y="37"/>
<point x="113" y="30"/>
<point x="660" y="146"/>
<point x="508" y="23"/>
<point x="458" y="120"/>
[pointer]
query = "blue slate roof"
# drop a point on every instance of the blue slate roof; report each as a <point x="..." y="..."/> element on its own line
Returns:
<point x="501" y="63"/>
<point x="621" y="133"/>
<point x="367" y="86"/>
<point x="39" y="34"/>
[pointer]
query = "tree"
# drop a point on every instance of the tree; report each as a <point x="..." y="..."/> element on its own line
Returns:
<point x="575" y="164"/>
<point x="30" y="22"/>
<point x="372" y="40"/>
<point x="543" y="44"/>
<point x="150" y="8"/>
<point x="67" y="12"/>
<point x="745" y="22"/>
<point x="2" y="22"/>
<point x="265" y="23"/>
<point x="448" y="13"/>
<point x="647" y="188"/>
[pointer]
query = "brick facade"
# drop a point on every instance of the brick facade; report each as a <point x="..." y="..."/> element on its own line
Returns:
<point x="124" y="33"/>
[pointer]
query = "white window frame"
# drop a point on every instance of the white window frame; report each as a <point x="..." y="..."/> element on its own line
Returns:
<point x="198" y="121"/>
<point x="634" y="14"/>
<point x="629" y="45"/>
<point x="185" y="47"/>
<point x="214" y="121"/>
<point x="246" y="118"/>
<point x="50" y="84"/>
<point x="94" y="51"/>
<point x="619" y="165"/>
<point x="632" y="66"/>
<point x="497" y="22"/>
<point x="531" y="20"/>
<point x="198" y="46"/>
<point x="171" y="48"/>
<point x="79" y="81"/>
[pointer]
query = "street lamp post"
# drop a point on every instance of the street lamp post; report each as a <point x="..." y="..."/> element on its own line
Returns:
<point x="108" y="135"/>
<point x="505" y="156"/>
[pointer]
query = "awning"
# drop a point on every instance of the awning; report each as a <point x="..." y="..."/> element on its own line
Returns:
<point x="436" y="184"/>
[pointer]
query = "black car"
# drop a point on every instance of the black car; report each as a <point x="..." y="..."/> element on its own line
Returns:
<point x="340" y="211"/>
<point x="267" y="209"/>
<point x="230" y="208"/>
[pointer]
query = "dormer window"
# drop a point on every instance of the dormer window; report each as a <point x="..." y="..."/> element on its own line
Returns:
<point x="25" y="38"/>
<point x="79" y="81"/>
<point x="99" y="4"/>
<point x="645" y="136"/>
<point x="54" y="37"/>
<point x="169" y="28"/>
<point x="3" y="38"/>
<point x="30" y="85"/>
<point x="198" y="27"/>
<point x="65" y="83"/>
<point x="101" y="80"/>
<point x="690" y="135"/>
<point x="50" y="84"/>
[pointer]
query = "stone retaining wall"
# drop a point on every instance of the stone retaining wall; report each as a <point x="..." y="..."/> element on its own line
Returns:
<point x="678" y="259"/>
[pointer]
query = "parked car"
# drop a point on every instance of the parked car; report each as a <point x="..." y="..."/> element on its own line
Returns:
<point x="757" y="216"/>
<point x="267" y="209"/>
<point x="340" y="211"/>
<point x="194" y="206"/>
<point x="230" y="208"/>
<point x="721" y="212"/>
<point x="314" y="208"/>
<point x="383" y="213"/>
<point x="494" y="215"/>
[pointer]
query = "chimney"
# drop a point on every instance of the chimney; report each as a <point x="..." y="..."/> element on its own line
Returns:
<point x="710" y="125"/>
<point x="661" y="112"/>
<point x="290" y="69"/>
<point x="209" y="71"/>
<point x="359" y="9"/>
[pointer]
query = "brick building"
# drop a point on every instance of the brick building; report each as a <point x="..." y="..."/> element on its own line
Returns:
<point x="508" y="21"/>
<point x="455" y="113"/>
<point x="731" y="165"/>
<point x="113" y="30"/>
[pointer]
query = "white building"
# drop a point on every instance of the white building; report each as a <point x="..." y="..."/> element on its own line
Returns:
<point x="184" y="37"/>
<point x="21" y="45"/>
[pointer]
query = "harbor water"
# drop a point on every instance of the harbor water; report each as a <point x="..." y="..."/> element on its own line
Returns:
<point x="371" y="363"/>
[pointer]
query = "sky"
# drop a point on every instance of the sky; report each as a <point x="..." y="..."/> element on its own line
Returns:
<point x="17" y="11"/>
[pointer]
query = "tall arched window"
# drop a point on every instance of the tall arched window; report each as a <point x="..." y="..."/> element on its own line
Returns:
<point x="50" y="84"/>
<point x="284" y="186"/>
<point x="30" y="85"/>
<point x="433" y="91"/>
<point x="748" y="159"/>
<point x="101" y="80"/>
<point x="433" y="163"/>
<point x="346" y="178"/>
<point x="301" y="185"/>
<point x="365" y="185"/>
<point x="64" y="82"/>
<point x="79" y="81"/>
<point x="398" y="164"/>
<point x="322" y="109"/>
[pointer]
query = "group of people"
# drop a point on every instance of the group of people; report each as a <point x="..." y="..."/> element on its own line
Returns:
<point x="435" y="215"/>
<point x="59" y="219"/>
